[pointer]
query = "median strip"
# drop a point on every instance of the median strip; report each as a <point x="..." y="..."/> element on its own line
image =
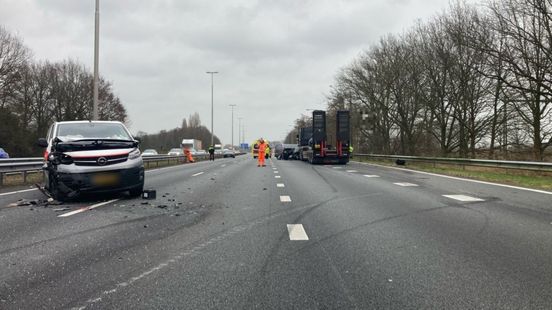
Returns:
<point x="297" y="232"/>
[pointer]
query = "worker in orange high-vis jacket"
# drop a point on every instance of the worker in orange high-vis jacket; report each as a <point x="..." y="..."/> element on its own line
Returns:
<point x="262" y="149"/>
<point x="188" y="155"/>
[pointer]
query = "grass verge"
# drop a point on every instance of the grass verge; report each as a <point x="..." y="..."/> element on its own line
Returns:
<point x="522" y="178"/>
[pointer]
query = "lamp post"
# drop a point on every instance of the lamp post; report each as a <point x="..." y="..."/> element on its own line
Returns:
<point x="212" y="110"/>
<point x="232" y="106"/>
<point x="96" y="60"/>
<point x="239" y="131"/>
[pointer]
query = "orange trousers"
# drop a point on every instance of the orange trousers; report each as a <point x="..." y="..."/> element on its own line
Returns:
<point x="261" y="158"/>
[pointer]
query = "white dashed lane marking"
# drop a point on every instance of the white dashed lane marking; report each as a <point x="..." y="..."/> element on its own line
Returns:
<point x="277" y="176"/>
<point x="285" y="199"/>
<point x="199" y="173"/>
<point x="280" y="185"/>
<point x="371" y="176"/>
<point x="463" y="198"/>
<point x="17" y="192"/>
<point x="336" y="167"/>
<point x="405" y="184"/>
<point x="275" y="171"/>
<point x="87" y="208"/>
<point x="297" y="232"/>
<point x="352" y="171"/>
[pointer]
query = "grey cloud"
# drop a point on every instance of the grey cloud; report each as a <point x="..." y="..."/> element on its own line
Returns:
<point x="276" y="57"/>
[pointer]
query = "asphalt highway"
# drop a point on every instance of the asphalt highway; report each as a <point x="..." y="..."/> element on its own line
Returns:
<point x="230" y="235"/>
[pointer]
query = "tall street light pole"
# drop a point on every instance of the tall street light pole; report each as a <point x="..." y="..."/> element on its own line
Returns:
<point x="212" y="110"/>
<point x="96" y="65"/>
<point x="239" y="131"/>
<point x="232" y="106"/>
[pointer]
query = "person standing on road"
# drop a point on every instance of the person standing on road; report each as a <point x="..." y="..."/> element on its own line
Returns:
<point x="261" y="153"/>
<point x="188" y="154"/>
<point x="211" y="153"/>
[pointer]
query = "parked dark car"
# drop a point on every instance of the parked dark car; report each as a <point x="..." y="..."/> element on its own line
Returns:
<point x="4" y="154"/>
<point x="287" y="151"/>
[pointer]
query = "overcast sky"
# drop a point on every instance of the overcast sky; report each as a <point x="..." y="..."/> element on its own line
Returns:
<point x="276" y="58"/>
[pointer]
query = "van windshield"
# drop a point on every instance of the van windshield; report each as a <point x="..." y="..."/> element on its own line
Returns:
<point x="76" y="131"/>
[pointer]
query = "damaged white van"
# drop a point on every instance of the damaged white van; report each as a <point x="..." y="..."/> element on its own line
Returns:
<point x="91" y="157"/>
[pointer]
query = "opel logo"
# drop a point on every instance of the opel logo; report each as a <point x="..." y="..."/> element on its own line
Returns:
<point x="102" y="161"/>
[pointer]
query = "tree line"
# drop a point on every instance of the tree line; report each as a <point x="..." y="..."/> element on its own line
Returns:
<point x="473" y="81"/>
<point x="165" y="140"/>
<point x="33" y="94"/>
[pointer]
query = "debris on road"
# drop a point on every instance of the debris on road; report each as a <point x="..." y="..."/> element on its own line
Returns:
<point x="149" y="194"/>
<point x="61" y="209"/>
<point x="44" y="191"/>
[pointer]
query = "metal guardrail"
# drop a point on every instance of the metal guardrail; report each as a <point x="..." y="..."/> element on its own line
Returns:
<point x="505" y="164"/>
<point x="26" y="166"/>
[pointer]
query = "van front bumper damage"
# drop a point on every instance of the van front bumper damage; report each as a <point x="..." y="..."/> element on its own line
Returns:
<point x="104" y="181"/>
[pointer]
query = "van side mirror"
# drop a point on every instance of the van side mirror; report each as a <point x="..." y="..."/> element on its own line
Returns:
<point x="42" y="142"/>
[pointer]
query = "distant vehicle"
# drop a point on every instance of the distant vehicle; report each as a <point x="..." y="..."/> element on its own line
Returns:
<point x="287" y="152"/>
<point x="320" y="150"/>
<point x="149" y="152"/>
<point x="296" y="154"/>
<point x="191" y="144"/>
<point x="228" y="153"/>
<point x="175" y="152"/>
<point x="4" y="154"/>
<point x="91" y="156"/>
<point x="278" y="148"/>
<point x="201" y="152"/>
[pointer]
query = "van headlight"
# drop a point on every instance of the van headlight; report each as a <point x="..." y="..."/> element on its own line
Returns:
<point x="134" y="154"/>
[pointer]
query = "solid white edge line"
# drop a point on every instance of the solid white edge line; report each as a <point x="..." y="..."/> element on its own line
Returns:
<point x="199" y="173"/>
<point x="297" y="232"/>
<point x="19" y="191"/>
<point x="88" y="208"/>
<point x="461" y="179"/>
